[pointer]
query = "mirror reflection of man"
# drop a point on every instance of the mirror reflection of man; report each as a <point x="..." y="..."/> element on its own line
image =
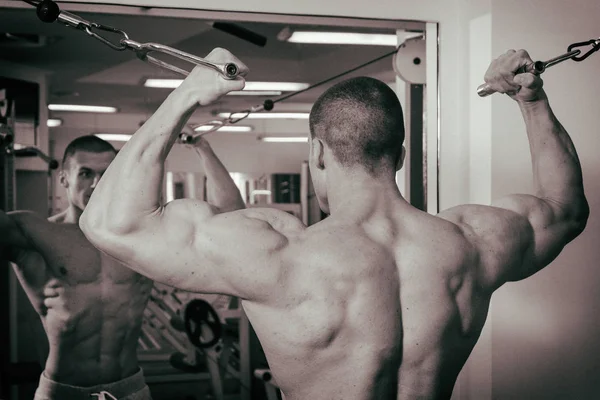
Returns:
<point x="90" y="305"/>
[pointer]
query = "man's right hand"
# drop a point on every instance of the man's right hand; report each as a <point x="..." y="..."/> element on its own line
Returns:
<point x="205" y="85"/>
<point x="502" y="77"/>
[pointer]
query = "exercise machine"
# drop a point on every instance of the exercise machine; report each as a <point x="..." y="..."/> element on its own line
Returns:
<point x="266" y="377"/>
<point x="186" y="336"/>
<point x="13" y="372"/>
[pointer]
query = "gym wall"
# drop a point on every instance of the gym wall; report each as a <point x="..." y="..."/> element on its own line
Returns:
<point x="546" y="330"/>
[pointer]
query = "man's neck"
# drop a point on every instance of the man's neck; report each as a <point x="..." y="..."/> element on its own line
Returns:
<point x="360" y="193"/>
<point x="70" y="216"/>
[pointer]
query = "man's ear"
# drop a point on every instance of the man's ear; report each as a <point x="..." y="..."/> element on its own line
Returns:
<point x="63" y="178"/>
<point x="400" y="162"/>
<point x="319" y="153"/>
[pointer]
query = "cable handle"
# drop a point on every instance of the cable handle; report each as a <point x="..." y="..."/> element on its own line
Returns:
<point x="142" y="50"/>
<point x="536" y="68"/>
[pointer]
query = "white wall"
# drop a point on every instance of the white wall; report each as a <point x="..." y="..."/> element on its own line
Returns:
<point x="475" y="381"/>
<point x="546" y="329"/>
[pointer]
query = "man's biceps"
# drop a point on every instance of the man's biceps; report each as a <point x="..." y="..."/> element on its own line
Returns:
<point x="187" y="209"/>
<point x="544" y="251"/>
<point x="544" y="218"/>
<point x="554" y="236"/>
<point x="528" y="212"/>
<point x="549" y="235"/>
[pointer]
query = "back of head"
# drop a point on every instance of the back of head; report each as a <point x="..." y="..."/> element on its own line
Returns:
<point x="361" y="121"/>
<point x="89" y="143"/>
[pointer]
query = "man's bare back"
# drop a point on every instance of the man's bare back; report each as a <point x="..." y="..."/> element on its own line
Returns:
<point x="90" y="305"/>
<point x="357" y="294"/>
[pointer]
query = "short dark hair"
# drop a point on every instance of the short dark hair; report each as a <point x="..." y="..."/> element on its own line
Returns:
<point x="361" y="120"/>
<point x="89" y="143"/>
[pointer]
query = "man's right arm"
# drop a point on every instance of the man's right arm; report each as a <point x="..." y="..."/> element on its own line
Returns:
<point x="521" y="234"/>
<point x="558" y="212"/>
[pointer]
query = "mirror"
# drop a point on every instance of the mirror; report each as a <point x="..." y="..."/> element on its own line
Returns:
<point x="264" y="154"/>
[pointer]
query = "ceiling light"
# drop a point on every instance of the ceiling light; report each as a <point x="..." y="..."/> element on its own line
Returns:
<point x="261" y="192"/>
<point x="250" y="86"/>
<point x="283" y="86"/>
<point x="113" y="137"/>
<point x="374" y="39"/>
<point x="285" y="139"/>
<point x="268" y="115"/>
<point x="227" y="128"/>
<point x="81" y="108"/>
<point x="255" y="93"/>
<point x="54" y="122"/>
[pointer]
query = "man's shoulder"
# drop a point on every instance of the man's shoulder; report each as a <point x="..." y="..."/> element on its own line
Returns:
<point x="481" y="221"/>
<point x="56" y="219"/>
<point x="495" y="235"/>
<point x="25" y="218"/>
<point x="279" y="220"/>
<point x="39" y="229"/>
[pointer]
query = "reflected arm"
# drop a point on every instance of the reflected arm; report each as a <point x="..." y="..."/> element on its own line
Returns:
<point x="222" y="192"/>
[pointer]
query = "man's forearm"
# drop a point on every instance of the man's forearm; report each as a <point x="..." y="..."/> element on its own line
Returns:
<point x="222" y="192"/>
<point x="131" y="187"/>
<point x="556" y="167"/>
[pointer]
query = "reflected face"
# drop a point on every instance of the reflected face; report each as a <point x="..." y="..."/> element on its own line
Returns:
<point x="82" y="172"/>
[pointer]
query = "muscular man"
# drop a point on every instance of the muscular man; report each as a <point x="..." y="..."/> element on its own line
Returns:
<point x="91" y="306"/>
<point x="378" y="301"/>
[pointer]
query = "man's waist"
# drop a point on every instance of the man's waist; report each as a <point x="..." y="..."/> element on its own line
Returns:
<point x="89" y="368"/>
<point x="50" y="387"/>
